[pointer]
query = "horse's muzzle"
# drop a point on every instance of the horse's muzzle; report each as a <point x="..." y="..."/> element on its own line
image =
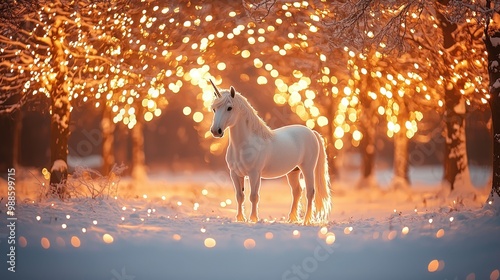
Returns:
<point x="217" y="133"/>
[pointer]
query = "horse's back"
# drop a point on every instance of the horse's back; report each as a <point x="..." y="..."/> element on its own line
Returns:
<point x="291" y="146"/>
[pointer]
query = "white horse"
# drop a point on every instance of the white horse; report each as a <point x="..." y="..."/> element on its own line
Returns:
<point x="258" y="152"/>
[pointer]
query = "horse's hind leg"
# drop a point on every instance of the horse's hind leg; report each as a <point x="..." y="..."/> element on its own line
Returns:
<point x="309" y="178"/>
<point x="293" y="181"/>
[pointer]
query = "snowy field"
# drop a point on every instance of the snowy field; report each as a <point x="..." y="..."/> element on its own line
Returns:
<point x="181" y="226"/>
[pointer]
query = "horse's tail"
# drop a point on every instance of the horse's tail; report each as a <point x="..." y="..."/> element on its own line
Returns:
<point x="322" y="198"/>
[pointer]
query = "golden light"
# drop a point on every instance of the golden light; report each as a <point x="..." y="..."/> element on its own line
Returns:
<point x="433" y="266"/>
<point x="330" y="238"/>
<point x="198" y="117"/>
<point x="440" y="233"/>
<point x="176" y="237"/>
<point x="269" y="235"/>
<point x="405" y="230"/>
<point x="107" y="238"/>
<point x="339" y="144"/>
<point x="221" y="66"/>
<point x="210" y="242"/>
<point x="75" y="241"/>
<point x="23" y="242"/>
<point x="186" y="111"/>
<point x="45" y="243"/>
<point x="495" y="274"/>
<point x="249" y="243"/>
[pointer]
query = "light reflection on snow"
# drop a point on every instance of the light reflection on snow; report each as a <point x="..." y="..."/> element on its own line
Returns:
<point x="405" y="230"/>
<point x="440" y="233"/>
<point x="471" y="276"/>
<point x="45" y="243"/>
<point x="495" y="274"/>
<point x="107" y="238"/>
<point x="330" y="238"/>
<point x="210" y="242"/>
<point x="75" y="241"/>
<point x="392" y="234"/>
<point x="60" y="241"/>
<point x="176" y="237"/>
<point x="249" y="243"/>
<point x="23" y="242"/>
<point x="433" y="266"/>
<point x="269" y="235"/>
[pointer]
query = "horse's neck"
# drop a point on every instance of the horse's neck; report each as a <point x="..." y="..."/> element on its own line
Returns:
<point x="240" y="132"/>
<point x="243" y="130"/>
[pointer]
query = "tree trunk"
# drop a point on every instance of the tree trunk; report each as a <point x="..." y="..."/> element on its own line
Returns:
<point x="493" y="33"/>
<point x="59" y="134"/>
<point x="60" y="113"/>
<point x="108" y="130"/>
<point x="16" y="148"/>
<point x="456" y="171"/>
<point x="367" y="147"/>
<point x="401" y="178"/>
<point x="138" y="158"/>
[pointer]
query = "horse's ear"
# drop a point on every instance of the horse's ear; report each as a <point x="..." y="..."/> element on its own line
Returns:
<point x="232" y="91"/>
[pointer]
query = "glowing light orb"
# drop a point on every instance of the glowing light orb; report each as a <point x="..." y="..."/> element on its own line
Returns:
<point x="75" y="241"/>
<point x="440" y="233"/>
<point x="108" y="239"/>
<point x="249" y="243"/>
<point x="45" y="243"/>
<point x="405" y="230"/>
<point x="22" y="241"/>
<point x="433" y="266"/>
<point x="269" y="235"/>
<point x="176" y="237"/>
<point x="210" y="242"/>
<point x="330" y="238"/>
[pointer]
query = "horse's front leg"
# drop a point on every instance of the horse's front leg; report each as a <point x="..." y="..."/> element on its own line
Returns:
<point x="239" y="188"/>
<point x="255" y="180"/>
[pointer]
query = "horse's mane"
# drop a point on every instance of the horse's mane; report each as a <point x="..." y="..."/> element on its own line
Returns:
<point x="249" y="114"/>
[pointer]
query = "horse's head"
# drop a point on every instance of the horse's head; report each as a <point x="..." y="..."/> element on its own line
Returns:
<point x="224" y="115"/>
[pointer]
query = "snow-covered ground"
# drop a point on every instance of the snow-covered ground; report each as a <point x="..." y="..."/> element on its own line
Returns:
<point x="181" y="226"/>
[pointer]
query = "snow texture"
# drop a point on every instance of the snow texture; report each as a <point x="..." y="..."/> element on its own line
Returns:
<point x="59" y="165"/>
<point x="181" y="226"/>
<point x="494" y="64"/>
<point x="496" y="84"/>
<point x="495" y="41"/>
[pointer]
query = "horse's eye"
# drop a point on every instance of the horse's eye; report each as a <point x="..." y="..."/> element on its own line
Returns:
<point x="229" y="108"/>
<point x="213" y="110"/>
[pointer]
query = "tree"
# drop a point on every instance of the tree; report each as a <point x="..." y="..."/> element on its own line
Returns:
<point x="459" y="71"/>
<point x="60" y="51"/>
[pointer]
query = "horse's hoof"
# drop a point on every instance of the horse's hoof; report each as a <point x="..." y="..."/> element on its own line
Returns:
<point x="240" y="218"/>
<point x="307" y="222"/>
<point x="292" y="219"/>
<point x="254" y="219"/>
